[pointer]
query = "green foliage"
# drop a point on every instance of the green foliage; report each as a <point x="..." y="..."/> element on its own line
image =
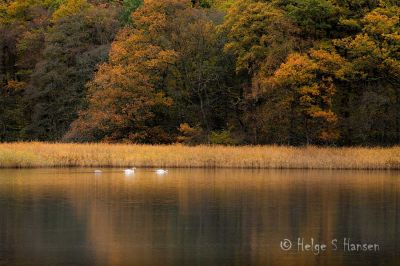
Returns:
<point x="315" y="17"/>
<point x="128" y="7"/>
<point x="11" y="115"/>
<point x="222" y="4"/>
<point x="22" y="27"/>
<point x="74" y="46"/>
<point x="69" y="8"/>
<point x="221" y="138"/>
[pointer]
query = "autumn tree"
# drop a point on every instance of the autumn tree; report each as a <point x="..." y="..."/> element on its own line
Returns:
<point x="22" y="27"/>
<point x="201" y="71"/>
<point x="260" y="35"/>
<point x="123" y="98"/>
<point x="165" y="70"/>
<point x="369" y="102"/>
<point x="327" y="73"/>
<point x="297" y="105"/>
<point x="74" y="45"/>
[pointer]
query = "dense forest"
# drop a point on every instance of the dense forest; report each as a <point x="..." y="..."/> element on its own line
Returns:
<point x="288" y="72"/>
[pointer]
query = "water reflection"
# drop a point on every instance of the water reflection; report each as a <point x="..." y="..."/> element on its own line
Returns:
<point x="195" y="217"/>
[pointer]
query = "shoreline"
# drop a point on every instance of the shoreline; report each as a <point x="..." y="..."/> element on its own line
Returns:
<point x="64" y="155"/>
<point x="151" y="168"/>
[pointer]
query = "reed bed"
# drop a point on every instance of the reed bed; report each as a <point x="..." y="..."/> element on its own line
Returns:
<point x="38" y="154"/>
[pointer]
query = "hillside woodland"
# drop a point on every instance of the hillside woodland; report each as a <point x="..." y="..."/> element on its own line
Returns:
<point x="286" y="72"/>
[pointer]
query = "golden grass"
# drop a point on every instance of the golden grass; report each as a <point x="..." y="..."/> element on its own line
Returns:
<point x="37" y="154"/>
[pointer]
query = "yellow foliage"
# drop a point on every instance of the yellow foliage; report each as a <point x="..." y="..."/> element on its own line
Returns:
<point x="259" y="35"/>
<point x="305" y="84"/>
<point x="68" y="8"/>
<point x="298" y="69"/>
<point x="382" y="21"/>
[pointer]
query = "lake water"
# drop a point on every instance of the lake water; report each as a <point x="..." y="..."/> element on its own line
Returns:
<point x="198" y="217"/>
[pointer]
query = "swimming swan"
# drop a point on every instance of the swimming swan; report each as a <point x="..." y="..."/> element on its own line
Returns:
<point x="98" y="171"/>
<point x="130" y="171"/>
<point x="161" y="171"/>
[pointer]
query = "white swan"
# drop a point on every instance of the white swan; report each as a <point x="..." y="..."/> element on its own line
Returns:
<point x="161" y="171"/>
<point x="130" y="171"/>
<point x="97" y="172"/>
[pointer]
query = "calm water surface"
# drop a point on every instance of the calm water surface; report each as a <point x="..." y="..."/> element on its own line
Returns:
<point x="197" y="217"/>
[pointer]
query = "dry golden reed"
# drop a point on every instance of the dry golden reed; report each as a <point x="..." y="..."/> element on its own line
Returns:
<point x="38" y="154"/>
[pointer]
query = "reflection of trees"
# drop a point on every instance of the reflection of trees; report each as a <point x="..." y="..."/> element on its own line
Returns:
<point x="200" y="216"/>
